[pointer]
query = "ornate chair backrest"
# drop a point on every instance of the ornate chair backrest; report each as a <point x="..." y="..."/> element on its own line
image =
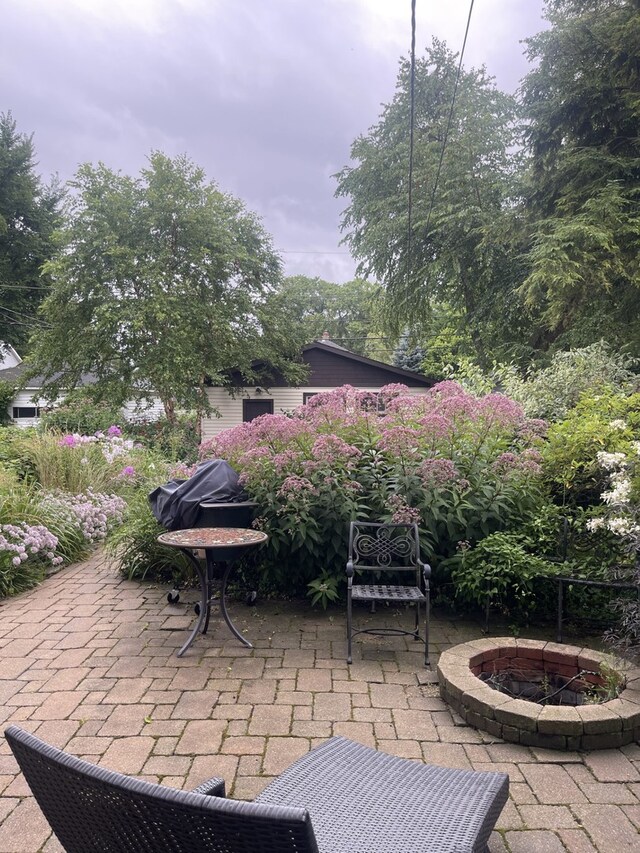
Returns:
<point x="384" y="547"/>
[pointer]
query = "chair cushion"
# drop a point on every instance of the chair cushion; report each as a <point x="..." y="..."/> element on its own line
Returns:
<point x="382" y="592"/>
<point x="364" y="801"/>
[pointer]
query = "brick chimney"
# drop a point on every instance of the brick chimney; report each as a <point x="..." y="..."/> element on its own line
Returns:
<point x="325" y="336"/>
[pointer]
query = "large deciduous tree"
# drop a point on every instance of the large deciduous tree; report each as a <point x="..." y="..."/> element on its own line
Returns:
<point x="462" y="249"/>
<point x="160" y="283"/>
<point x="348" y="312"/>
<point x="28" y="215"/>
<point x="583" y="107"/>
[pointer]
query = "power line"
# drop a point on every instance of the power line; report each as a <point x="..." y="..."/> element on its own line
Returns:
<point x="412" y="80"/>
<point x="446" y="132"/>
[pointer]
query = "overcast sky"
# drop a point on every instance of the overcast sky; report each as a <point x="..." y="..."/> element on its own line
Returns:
<point x="266" y="95"/>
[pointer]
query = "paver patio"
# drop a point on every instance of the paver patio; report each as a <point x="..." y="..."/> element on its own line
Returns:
<point x="88" y="663"/>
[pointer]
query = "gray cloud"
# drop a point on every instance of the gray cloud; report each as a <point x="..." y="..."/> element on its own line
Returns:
<point x="265" y="95"/>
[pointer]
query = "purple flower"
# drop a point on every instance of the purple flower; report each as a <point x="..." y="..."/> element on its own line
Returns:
<point x="128" y="471"/>
<point x="114" y="430"/>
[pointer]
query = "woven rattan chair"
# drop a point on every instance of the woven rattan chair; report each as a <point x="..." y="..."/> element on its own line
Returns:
<point x="341" y="797"/>
<point x="376" y="550"/>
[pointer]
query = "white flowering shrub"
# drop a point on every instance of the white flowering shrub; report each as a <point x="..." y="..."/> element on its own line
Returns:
<point x="620" y="514"/>
<point x="94" y="513"/>
<point x="25" y="543"/>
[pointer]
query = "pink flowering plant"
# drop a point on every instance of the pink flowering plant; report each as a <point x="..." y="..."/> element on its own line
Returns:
<point x="461" y="466"/>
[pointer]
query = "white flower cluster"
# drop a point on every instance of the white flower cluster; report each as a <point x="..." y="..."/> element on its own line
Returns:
<point x="621" y="491"/>
<point x="115" y="447"/>
<point x="618" y="423"/>
<point x="611" y="461"/>
<point x="28" y="540"/>
<point x="92" y="512"/>
<point x="622" y="526"/>
<point x="621" y="519"/>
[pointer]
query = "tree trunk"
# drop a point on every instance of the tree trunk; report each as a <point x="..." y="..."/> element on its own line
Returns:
<point x="170" y="410"/>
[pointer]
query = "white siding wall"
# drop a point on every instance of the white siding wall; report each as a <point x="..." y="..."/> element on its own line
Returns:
<point x="150" y="410"/>
<point x="9" y="357"/>
<point x="24" y="399"/>
<point x="284" y="400"/>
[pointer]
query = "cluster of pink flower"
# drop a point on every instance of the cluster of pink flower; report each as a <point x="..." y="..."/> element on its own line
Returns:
<point x="435" y="472"/>
<point x="274" y="431"/>
<point x="512" y="464"/>
<point x="402" y="512"/>
<point x="181" y="471"/>
<point x="294" y="487"/>
<point x="331" y="448"/>
<point x="25" y="541"/>
<point x="401" y="441"/>
<point x="444" y="434"/>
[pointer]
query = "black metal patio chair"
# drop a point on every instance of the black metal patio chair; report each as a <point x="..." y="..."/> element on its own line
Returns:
<point x="341" y="797"/>
<point x="376" y="550"/>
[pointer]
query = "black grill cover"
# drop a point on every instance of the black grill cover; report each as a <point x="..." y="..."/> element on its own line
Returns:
<point x="176" y="504"/>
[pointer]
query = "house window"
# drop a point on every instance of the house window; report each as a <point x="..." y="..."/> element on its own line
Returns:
<point x="307" y="395"/>
<point x="374" y="402"/>
<point x="25" y="412"/>
<point x="254" y="408"/>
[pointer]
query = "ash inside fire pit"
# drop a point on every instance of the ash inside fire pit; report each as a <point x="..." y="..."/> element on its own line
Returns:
<point x="550" y="688"/>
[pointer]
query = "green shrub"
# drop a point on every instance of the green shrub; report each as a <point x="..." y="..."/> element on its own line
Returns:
<point x="14" y="453"/>
<point x="134" y="544"/>
<point x="7" y="393"/>
<point x="550" y="392"/>
<point x="179" y="442"/>
<point x="501" y="567"/>
<point x="604" y="422"/>
<point x="80" y="413"/>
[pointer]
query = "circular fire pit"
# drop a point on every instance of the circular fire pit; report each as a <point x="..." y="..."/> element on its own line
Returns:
<point x="542" y="694"/>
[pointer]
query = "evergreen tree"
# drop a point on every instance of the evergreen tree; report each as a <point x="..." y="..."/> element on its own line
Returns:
<point x="583" y="105"/>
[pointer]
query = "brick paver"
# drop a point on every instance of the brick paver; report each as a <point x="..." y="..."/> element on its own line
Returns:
<point x="88" y="662"/>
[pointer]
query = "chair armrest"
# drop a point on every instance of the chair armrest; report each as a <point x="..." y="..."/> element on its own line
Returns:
<point x="426" y="570"/>
<point x="350" y="569"/>
<point x="211" y="788"/>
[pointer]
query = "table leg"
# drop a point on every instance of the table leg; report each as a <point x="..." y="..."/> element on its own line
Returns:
<point x="203" y="618"/>
<point x="223" y="608"/>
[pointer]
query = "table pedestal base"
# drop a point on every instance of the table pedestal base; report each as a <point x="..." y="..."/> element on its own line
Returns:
<point x="205" y="576"/>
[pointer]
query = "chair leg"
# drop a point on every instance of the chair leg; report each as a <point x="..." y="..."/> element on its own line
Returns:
<point x="427" y="607"/>
<point x="349" y="659"/>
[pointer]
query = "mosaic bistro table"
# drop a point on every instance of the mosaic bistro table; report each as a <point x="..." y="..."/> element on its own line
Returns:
<point x="221" y="545"/>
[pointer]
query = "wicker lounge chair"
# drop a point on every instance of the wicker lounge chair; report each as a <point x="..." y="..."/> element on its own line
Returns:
<point x="392" y="549"/>
<point x="341" y="797"/>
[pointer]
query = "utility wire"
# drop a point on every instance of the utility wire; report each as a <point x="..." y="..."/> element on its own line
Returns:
<point x="412" y="114"/>
<point x="448" y="126"/>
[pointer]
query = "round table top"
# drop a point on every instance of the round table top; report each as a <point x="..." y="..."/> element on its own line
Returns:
<point x="213" y="537"/>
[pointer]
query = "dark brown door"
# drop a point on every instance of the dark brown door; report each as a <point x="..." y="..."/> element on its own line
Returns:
<point x="254" y="408"/>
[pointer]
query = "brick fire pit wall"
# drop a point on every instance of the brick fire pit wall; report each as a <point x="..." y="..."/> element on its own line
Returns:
<point x="602" y="726"/>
